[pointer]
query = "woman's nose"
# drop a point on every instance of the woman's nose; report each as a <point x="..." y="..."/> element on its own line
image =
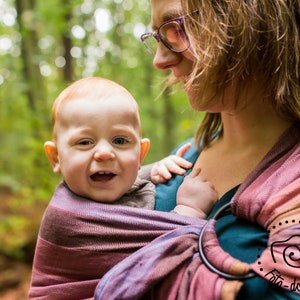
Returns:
<point x="104" y="151"/>
<point x="164" y="58"/>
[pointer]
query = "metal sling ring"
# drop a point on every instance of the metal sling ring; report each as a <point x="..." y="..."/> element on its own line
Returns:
<point x="223" y="211"/>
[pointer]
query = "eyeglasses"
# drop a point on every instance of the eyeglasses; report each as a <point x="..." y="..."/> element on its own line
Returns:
<point x="171" y="33"/>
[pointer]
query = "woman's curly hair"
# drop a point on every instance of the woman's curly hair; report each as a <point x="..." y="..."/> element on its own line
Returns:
<point x="241" y="40"/>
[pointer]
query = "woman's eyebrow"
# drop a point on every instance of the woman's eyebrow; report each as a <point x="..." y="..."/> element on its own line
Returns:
<point x="170" y="15"/>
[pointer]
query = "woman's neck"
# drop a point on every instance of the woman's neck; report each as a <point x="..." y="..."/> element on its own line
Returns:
<point x="254" y="126"/>
<point x="247" y="137"/>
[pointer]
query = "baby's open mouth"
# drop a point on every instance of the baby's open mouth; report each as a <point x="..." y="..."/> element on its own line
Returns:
<point x="102" y="176"/>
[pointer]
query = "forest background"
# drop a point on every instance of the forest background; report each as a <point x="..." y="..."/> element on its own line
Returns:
<point x="45" y="45"/>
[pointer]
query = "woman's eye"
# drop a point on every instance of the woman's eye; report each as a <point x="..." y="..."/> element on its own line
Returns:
<point x="119" y="141"/>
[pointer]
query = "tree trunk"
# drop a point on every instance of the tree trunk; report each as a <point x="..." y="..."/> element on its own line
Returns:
<point x="30" y="52"/>
<point x="67" y="43"/>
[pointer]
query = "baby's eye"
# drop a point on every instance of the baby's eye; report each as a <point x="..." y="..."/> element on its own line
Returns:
<point x="85" y="142"/>
<point x="119" y="141"/>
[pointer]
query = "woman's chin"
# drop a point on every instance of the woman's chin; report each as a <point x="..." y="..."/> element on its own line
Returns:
<point x="192" y="96"/>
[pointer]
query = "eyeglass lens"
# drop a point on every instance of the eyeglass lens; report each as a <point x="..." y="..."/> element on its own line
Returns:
<point x="172" y="35"/>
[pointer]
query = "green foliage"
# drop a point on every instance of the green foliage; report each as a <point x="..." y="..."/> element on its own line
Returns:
<point x="13" y="242"/>
<point x="113" y="51"/>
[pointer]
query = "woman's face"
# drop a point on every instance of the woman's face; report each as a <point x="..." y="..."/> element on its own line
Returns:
<point x="204" y="94"/>
<point x="179" y="63"/>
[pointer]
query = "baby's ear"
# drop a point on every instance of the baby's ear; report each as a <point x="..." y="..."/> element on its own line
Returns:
<point x="145" y="145"/>
<point x="52" y="154"/>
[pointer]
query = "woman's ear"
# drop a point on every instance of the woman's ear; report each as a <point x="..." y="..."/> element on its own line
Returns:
<point x="145" y="145"/>
<point x="52" y="154"/>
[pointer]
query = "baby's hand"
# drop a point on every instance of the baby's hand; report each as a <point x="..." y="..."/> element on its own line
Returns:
<point x="195" y="196"/>
<point x="174" y="164"/>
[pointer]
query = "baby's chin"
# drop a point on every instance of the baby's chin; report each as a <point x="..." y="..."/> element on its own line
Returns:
<point x="109" y="198"/>
<point x="115" y="196"/>
<point x="105" y="197"/>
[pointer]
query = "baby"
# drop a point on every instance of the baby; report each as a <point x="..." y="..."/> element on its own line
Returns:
<point x="98" y="148"/>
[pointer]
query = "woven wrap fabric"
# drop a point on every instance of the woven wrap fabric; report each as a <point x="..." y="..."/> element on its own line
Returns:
<point x="155" y="255"/>
<point x="269" y="196"/>
<point x="80" y="240"/>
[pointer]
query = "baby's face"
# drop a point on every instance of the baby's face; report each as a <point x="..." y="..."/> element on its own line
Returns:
<point x="99" y="146"/>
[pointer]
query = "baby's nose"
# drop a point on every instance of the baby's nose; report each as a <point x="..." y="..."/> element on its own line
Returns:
<point x="104" y="151"/>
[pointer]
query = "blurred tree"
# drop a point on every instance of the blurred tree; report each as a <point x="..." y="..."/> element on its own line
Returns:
<point x="30" y="52"/>
<point x="67" y="43"/>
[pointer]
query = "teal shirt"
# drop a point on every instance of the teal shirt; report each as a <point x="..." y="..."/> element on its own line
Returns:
<point x="244" y="240"/>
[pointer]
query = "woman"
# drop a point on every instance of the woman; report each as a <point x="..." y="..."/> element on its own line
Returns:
<point x="239" y="62"/>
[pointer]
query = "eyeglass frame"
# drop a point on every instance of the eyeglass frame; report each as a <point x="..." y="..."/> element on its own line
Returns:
<point x="157" y="36"/>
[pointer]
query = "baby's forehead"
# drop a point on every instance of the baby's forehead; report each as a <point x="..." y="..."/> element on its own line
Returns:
<point x="120" y="98"/>
<point x="119" y="105"/>
<point x="106" y="92"/>
<point x="113" y="93"/>
<point x="115" y="113"/>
